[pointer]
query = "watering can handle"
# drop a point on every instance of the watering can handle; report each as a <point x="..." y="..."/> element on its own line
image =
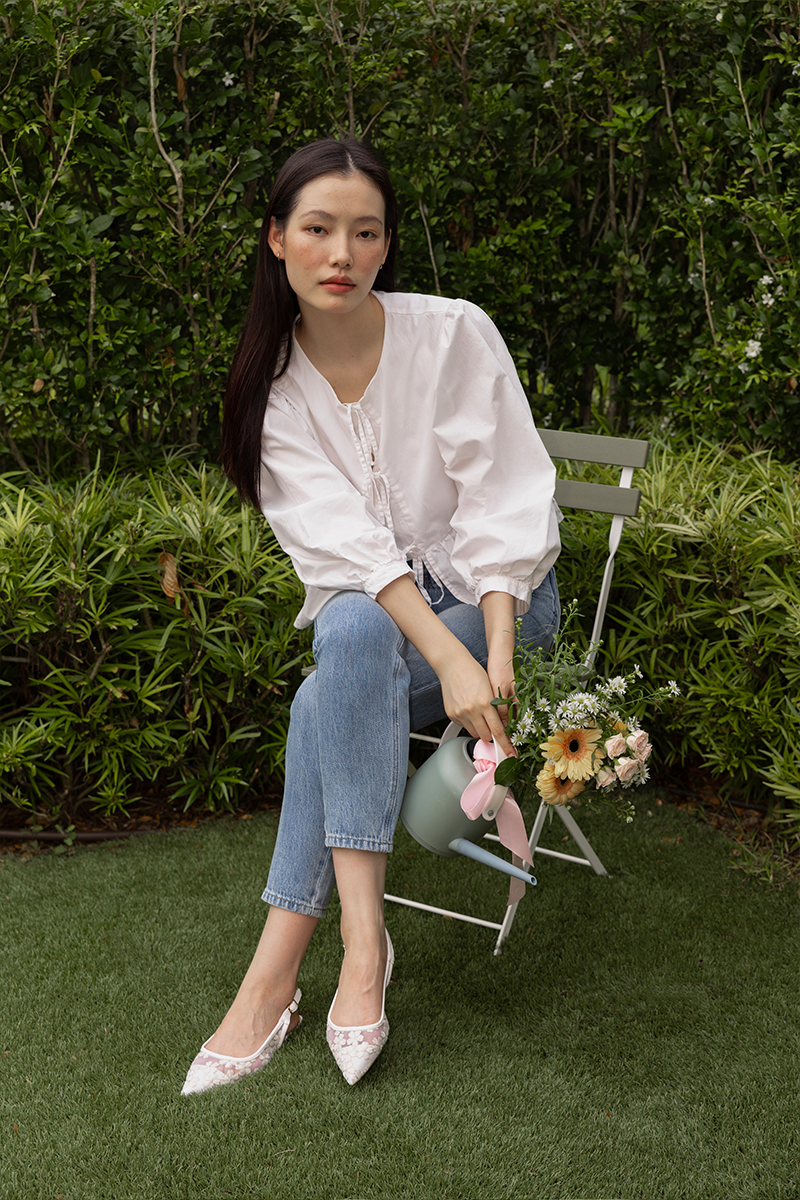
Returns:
<point x="498" y="793"/>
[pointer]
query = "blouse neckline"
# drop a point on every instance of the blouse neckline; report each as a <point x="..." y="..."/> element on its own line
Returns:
<point x="328" y="385"/>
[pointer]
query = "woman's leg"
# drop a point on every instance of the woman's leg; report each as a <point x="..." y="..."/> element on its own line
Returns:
<point x="362" y="729"/>
<point x="360" y="881"/>
<point x="346" y="757"/>
<point x="345" y="776"/>
<point x="268" y="986"/>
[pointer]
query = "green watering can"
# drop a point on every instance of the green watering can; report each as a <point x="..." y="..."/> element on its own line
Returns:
<point x="448" y="806"/>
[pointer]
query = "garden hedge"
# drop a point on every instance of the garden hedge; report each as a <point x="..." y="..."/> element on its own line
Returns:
<point x="615" y="181"/>
<point x="146" y="640"/>
<point x="706" y="591"/>
<point x="147" y="630"/>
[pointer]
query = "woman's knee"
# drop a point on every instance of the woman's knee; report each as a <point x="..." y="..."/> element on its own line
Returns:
<point x="355" y="630"/>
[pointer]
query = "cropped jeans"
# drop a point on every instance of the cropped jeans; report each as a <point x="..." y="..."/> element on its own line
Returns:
<point x="347" y="749"/>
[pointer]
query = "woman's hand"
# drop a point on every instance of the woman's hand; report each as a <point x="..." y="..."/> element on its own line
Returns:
<point x="467" y="692"/>
<point x="500" y="671"/>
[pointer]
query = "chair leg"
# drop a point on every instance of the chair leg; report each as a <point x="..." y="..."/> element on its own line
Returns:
<point x="581" y="840"/>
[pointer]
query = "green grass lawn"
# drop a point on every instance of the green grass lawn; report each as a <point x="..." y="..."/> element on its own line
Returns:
<point x="637" y="1039"/>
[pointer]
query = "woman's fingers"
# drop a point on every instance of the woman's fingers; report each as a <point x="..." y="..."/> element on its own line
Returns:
<point x="467" y="693"/>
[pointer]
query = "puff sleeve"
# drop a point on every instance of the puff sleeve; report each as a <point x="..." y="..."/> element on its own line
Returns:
<point x="331" y="532"/>
<point x="506" y="521"/>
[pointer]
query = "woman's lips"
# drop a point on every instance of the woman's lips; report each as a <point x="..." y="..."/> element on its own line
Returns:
<point x="338" y="284"/>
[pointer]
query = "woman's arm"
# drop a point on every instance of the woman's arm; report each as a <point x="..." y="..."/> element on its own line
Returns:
<point x="466" y="688"/>
<point x="498" y="616"/>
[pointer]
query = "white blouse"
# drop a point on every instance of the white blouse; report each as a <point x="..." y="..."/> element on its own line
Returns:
<point x="438" y="464"/>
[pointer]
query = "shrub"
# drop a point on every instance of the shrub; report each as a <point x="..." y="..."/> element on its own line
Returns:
<point x="613" y="181"/>
<point x="706" y="592"/>
<point x="146" y="639"/>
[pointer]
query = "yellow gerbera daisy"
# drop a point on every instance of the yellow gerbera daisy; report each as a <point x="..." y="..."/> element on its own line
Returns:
<point x="572" y="752"/>
<point x="555" y="790"/>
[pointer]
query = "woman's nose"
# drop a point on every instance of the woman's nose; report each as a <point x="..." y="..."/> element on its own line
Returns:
<point x="341" y="254"/>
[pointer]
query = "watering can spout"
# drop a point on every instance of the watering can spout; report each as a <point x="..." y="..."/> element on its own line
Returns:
<point x="470" y="850"/>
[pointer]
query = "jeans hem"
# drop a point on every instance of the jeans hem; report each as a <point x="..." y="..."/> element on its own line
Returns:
<point x="297" y="906"/>
<point x="351" y="843"/>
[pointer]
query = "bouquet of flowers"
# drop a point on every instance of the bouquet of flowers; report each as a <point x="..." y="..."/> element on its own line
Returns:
<point x="575" y="738"/>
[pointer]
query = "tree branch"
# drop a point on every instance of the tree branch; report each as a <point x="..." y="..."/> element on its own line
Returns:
<point x="668" y="102"/>
<point x="176" y="172"/>
<point x="430" y="245"/>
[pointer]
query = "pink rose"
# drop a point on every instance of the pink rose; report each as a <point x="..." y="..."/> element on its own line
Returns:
<point x="616" y="745"/>
<point x="605" y="777"/>
<point x="639" y="744"/>
<point x="627" y="769"/>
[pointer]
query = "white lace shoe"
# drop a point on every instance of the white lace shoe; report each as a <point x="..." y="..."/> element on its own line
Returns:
<point x="355" y="1048"/>
<point x="210" y="1069"/>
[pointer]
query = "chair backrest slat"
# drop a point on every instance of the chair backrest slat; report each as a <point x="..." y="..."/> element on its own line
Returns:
<point x="595" y="448"/>
<point x="597" y="497"/>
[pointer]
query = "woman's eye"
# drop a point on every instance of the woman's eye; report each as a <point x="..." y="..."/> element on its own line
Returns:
<point x="315" y="229"/>
<point x="367" y="234"/>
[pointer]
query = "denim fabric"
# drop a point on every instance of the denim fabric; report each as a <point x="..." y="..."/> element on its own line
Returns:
<point x="347" y="749"/>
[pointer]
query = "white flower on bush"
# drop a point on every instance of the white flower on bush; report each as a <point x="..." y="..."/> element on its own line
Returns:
<point x="796" y="69"/>
<point x="674" y="690"/>
<point x="720" y="16"/>
<point x="569" y="45"/>
<point x="708" y="199"/>
<point x="767" y="300"/>
<point x="753" y="348"/>
<point x="779" y="290"/>
<point x="765" y="281"/>
<point x="548" y="84"/>
<point x="743" y="367"/>
<point x="7" y="206"/>
<point x="228" y="79"/>
<point x="578" y="75"/>
<point x="195" y="295"/>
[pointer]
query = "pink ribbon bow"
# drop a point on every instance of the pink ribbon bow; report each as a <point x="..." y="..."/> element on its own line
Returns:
<point x="482" y="797"/>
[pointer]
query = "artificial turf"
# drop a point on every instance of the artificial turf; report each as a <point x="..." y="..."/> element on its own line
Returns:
<point x="636" y="1040"/>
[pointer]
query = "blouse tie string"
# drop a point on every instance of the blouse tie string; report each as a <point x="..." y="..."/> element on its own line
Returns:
<point x="483" y="798"/>
<point x="376" y="484"/>
<point x="419" y="565"/>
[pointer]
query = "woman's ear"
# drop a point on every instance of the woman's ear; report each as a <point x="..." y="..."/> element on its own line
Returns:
<point x="275" y="238"/>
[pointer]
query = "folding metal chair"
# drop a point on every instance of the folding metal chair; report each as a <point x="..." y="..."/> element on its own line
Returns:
<point x="620" y="501"/>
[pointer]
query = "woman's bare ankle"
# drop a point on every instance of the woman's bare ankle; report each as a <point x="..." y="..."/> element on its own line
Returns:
<point x="249" y="1022"/>
<point x="360" y="993"/>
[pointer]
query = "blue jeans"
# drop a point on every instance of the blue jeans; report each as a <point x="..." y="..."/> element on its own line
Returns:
<point x="347" y="749"/>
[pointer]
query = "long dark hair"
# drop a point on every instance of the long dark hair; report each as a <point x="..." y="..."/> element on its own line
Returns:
<point x="265" y="343"/>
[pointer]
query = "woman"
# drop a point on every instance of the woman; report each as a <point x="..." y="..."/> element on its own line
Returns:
<point x="389" y="444"/>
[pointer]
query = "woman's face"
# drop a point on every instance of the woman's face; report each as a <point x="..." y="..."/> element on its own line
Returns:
<point x="333" y="243"/>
